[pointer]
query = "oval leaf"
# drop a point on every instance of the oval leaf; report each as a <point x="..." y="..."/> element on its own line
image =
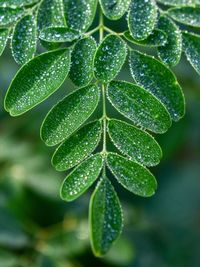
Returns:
<point x="105" y="216"/>
<point x="81" y="178"/>
<point x="113" y="9"/>
<point x="170" y="53"/>
<point x="191" y="47"/>
<point x="10" y="15"/>
<point x="80" y="14"/>
<point x="81" y="72"/>
<point x="186" y="15"/>
<point x="134" y="177"/>
<point x="156" y="38"/>
<point x="37" y="80"/>
<point x="24" y="39"/>
<point x="17" y="3"/>
<point x="179" y="2"/>
<point x="4" y="34"/>
<point x="160" y="81"/>
<point x="138" y="105"/>
<point x="142" y="18"/>
<point x="69" y="114"/>
<point x="109" y="58"/>
<point x="77" y="147"/>
<point x="134" y="143"/>
<point x="58" y="34"/>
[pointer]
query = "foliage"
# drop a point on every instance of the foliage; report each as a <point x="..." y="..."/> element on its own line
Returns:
<point x="151" y="103"/>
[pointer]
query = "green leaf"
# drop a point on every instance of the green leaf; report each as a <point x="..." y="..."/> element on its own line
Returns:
<point x="81" y="72"/>
<point x="142" y="18"/>
<point x="4" y="34"/>
<point x="134" y="177"/>
<point x="79" y="14"/>
<point x="24" y="39"/>
<point x="10" y="15"/>
<point x="58" y="34"/>
<point x="77" y="147"/>
<point x="139" y="105"/>
<point x="170" y="53"/>
<point x="17" y="3"/>
<point x="109" y="58"/>
<point x="160" y="81"/>
<point x="37" y="80"/>
<point x="186" y="15"/>
<point x="156" y="38"/>
<point x="134" y="143"/>
<point x="179" y="2"/>
<point x="191" y="47"/>
<point x="113" y="9"/>
<point x="69" y="114"/>
<point x="81" y="178"/>
<point x="105" y="215"/>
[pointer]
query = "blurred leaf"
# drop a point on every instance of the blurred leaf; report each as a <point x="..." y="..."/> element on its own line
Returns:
<point x="109" y="58"/>
<point x="160" y="81"/>
<point x="4" y="34"/>
<point x="58" y="34"/>
<point x="113" y="9"/>
<point x="186" y="15"/>
<point x="142" y="18"/>
<point x="105" y="217"/>
<point x="7" y="259"/>
<point x="10" y="15"/>
<point x="81" y="178"/>
<point x="134" y="177"/>
<point x="139" y="105"/>
<point x="44" y="75"/>
<point x="69" y="114"/>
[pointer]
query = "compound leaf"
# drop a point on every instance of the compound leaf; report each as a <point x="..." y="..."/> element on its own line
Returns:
<point x="37" y="80"/>
<point x="10" y="15"/>
<point x="134" y="143"/>
<point x="81" y="178"/>
<point x="156" y="38"/>
<point x="109" y="58"/>
<point x="80" y="14"/>
<point x="160" y="81"/>
<point x="191" y="47"/>
<point x="113" y="9"/>
<point x="17" y="3"/>
<point x="142" y="18"/>
<point x="134" y="177"/>
<point x="24" y="39"/>
<point x="4" y="34"/>
<point x="139" y="105"/>
<point x="58" y="34"/>
<point x="81" y="72"/>
<point x="179" y="2"/>
<point x="170" y="53"/>
<point x="186" y="15"/>
<point x="69" y="114"/>
<point x="105" y="216"/>
<point x="77" y="147"/>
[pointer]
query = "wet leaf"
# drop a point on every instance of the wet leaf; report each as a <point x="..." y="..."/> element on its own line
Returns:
<point x="160" y="81"/>
<point x="77" y="147"/>
<point x="186" y="15"/>
<point x="142" y="18"/>
<point x="134" y="143"/>
<point x="80" y="14"/>
<point x="156" y="38"/>
<point x="10" y="15"/>
<point x="81" y="72"/>
<point x="24" y="39"/>
<point x="109" y="58"/>
<point x="37" y="80"/>
<point x="69" y="114"/>
<point x="105" y="217"/>
<point x="58" y="34"/>
<point x="179" y="2"/>
<point x="113" y="9"/>
<point x="4" y="34"/>
<point x="170" y="53"/>
<point x="17" y="3"/>
<point x="139" y="105"/>
<point x="81" y="178"/>
<point x="134" y="177"/>
<point x="191" y="47"/>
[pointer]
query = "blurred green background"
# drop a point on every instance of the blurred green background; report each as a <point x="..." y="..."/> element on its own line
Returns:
<point x="37" y="229"/>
